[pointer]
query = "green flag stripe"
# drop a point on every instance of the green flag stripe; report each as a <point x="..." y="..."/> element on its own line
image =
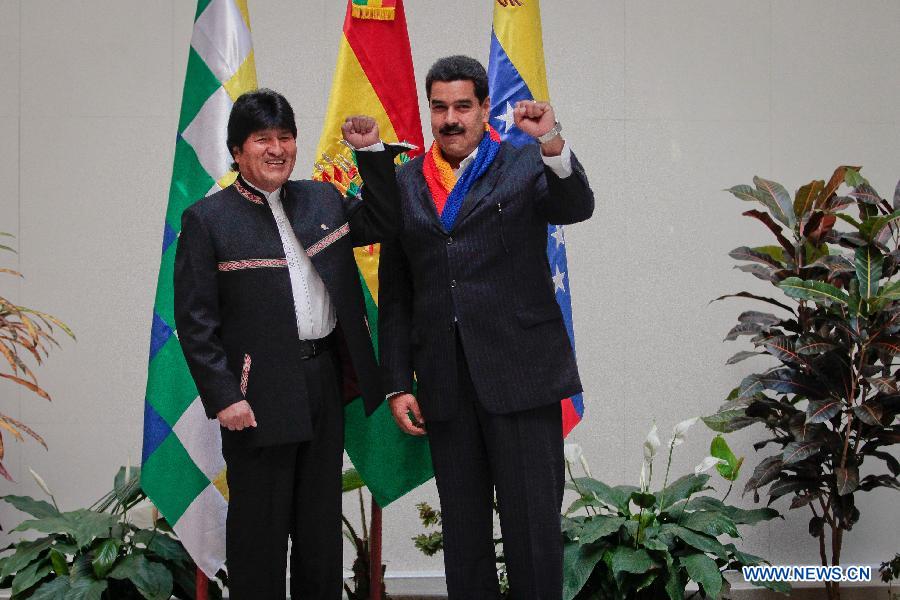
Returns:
<point x="199" y="85"/>
<point x="201" y="6"/>
<point x="170" y="389"/>
<point x="190" y="182"/>
<point x="165" y="295"/>
<point x="172" y="479"/>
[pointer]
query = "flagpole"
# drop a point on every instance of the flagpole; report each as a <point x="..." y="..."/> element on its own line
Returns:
<point x="202" y="589"/>
<point x="376" y="579"/>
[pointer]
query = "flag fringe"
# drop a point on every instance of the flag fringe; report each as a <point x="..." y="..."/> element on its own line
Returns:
<point x="385" y="13"/>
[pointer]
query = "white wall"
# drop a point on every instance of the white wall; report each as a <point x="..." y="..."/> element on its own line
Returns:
<point x="665" y="103"/>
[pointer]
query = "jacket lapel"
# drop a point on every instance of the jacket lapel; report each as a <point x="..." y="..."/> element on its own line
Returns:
<point x="483" y="186"/>
<point x="426" y="202"/>
<point x="302" y="214"/>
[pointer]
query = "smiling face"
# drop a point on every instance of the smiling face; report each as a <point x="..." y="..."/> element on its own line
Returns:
<point x="267" y="158"/>
<point x="457" y="118"/>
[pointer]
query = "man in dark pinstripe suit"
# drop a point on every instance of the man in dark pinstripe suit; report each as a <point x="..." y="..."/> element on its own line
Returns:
<point x="468" y="305"/>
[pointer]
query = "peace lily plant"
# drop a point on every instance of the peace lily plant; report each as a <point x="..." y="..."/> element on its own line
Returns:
<point x="630" y="543"/>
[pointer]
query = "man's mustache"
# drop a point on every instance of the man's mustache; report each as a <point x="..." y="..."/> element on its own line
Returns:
<point x="451" y="129"/>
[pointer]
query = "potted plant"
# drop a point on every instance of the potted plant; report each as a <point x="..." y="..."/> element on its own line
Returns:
<point x="830" y="402"/>
<point x="23" y="332"/>
<point x="117" y="548"/>
<point x="628" y="543"/>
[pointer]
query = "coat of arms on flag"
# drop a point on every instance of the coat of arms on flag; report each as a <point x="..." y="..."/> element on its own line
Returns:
<point x="382" y="10"/>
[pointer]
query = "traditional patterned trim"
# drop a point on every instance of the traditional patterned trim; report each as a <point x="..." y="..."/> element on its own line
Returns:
<point x="328" y="240"/>
<point x="252" y="263"/>
<point x="245" y="375"/>
<point x="248" y="194"/>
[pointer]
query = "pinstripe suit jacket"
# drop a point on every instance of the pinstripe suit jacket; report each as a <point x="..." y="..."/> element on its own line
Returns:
<point x="488" y="277"/>
<point x="234" y="307"/>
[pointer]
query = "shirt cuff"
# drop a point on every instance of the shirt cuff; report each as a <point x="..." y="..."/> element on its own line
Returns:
<point x="560" y="165"/>
<point x="392" y="394"/>
<point x="377" y="147"/>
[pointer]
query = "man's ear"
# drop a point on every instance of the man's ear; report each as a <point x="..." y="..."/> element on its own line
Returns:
<point x="486" y="107"/>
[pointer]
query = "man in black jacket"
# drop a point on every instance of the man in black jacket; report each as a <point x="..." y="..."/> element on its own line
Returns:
<point x="266" y="294"/>
<point x="467" y="303"/>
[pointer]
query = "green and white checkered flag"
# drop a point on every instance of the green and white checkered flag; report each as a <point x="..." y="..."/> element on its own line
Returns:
<point x="183" y="470"/>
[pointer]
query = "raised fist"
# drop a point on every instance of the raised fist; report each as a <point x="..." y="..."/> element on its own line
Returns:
<point x="360" y="131"/>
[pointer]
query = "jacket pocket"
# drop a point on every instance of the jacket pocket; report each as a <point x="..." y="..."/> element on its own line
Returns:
<point x="245" y="375"/>
<point x="530" y="316"/>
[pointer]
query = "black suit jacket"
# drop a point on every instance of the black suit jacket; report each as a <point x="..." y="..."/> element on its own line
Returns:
<point x="234" y="307"/>
<point x="488" y="277"/>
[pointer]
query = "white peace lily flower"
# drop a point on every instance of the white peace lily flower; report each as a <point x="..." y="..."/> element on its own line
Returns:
<point x="708" y="463"/>
<point x="40" y="481"/>
<point x="643" y="483"/>
<point x="584" y="465"/>
<point x="572" y="452"/>
<point x="680" y="429"/>
<point x="651" y="444"/>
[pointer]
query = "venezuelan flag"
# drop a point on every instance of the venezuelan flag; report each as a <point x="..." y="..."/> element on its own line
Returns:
<point x="516" y="72"/>
<point x="374" y="76"/>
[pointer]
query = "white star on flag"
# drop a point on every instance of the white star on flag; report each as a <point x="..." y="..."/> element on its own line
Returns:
<point x="507" y="118"/>
<point x="559" y="280"/>
<point x="559" y="236"/>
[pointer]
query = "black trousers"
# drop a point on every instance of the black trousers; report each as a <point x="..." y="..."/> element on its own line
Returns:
<point x="291" y="490"/>
<point x="520" y="455"/>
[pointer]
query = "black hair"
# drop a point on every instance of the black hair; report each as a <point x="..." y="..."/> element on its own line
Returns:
<point x="458" y="68"/>
<point x="257" y="110"/>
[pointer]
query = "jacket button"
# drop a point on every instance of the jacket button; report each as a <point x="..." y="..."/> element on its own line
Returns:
<point x="453" y="283"/>
<point x="449" y="241"/>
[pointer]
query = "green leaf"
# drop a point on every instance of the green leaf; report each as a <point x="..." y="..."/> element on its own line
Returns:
<point x="52" y="590"/>
<point x="765" y="472"/>
<point x="579" y="562"/>
<point x="816" y="291"/>
<point x="740" y="516"/>
<point x="58" y="560"/>
<point x="719" y="448"/>
<point x="628" y="560"/>
<point x="599" y="526"/>
<point x="782" y="587"/>
<point x="872" y="227"/>
<point x="605" y="494"/>
<point x="30" y="575"/>
<point x="83" y="525"/>
<point x="105" y="556"/>
<point x="351" y="480"/>
<point x="704" y="571"/>
<point x="797" y="451"/>
<point x="698" y="541"/>
<point x="888" y="345"/>
<point x="680" y="489"/>
<point x="167" y="549"/>
<point x="35" y="508"/>
<point x="868" y="263"/>
<point x="675" y="584"/>
<point x="710" y="523"/>
<point x="869" y="413"/>
<point x="643" y="499"/>
<point x="777" y="199"/>
<point x="852" y="177"/>
<point x="153" y="580"/>
<point x="891" y="291"/>
<point x="25" y="553"/>
<point x="87" y="589"/>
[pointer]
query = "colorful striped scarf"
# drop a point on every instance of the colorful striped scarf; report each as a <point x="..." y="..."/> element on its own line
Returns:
<point x="446" y="191"/>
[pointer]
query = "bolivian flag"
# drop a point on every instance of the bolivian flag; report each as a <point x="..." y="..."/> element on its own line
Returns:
<point x="374" y="76"/>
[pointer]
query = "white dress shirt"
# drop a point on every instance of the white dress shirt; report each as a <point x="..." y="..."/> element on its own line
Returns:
<point x="315" y="313"/>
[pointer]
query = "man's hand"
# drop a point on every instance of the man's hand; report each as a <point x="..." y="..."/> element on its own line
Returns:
<point x="403" y="404"/>
<point x="360" y="131"/>
<point x="536" y="119"/>
<point x="237" y="416"/>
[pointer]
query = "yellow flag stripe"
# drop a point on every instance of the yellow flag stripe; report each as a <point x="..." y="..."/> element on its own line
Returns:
<point x="518" y="29"/>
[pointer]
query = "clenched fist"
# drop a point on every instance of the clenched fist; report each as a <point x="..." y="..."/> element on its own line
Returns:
<point x="360" y="131"/>
<point x="237" y="416"/>
<point x="536" y="119"/>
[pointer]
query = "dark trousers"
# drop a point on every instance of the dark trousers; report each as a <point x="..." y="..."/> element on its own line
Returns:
<point x="520" y="455"/>
<point x="291" y="490"/>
